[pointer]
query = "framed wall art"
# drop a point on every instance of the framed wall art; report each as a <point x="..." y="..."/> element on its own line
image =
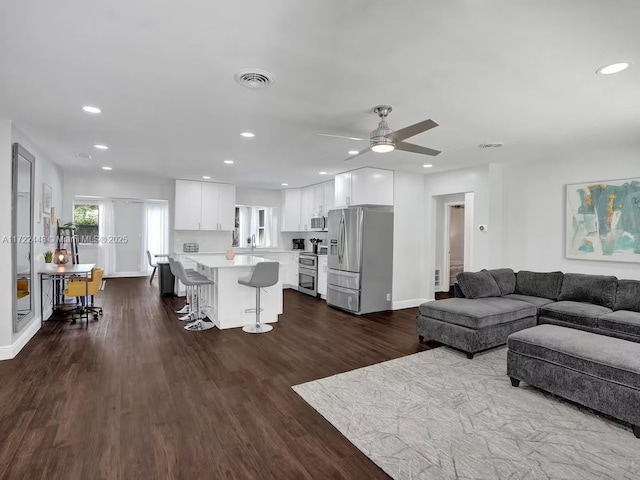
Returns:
<point x="603" y="221"/>
<point x="47" y="199"/>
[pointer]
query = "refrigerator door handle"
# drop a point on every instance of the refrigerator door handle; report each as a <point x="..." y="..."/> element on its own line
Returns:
<point x="341" y="240"/>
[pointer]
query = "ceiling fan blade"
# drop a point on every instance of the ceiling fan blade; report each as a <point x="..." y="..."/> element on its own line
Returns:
<point x="364" y="150"/>
<point x="342" y="136"/>
<point x="410" y="147"/>
<point x="412" y="130"/>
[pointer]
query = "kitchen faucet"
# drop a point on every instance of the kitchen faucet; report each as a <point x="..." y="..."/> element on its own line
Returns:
<point x="253" y="241"/>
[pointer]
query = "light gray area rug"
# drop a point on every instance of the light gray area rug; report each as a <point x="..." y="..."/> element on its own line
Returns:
<point x="437" y="414"/>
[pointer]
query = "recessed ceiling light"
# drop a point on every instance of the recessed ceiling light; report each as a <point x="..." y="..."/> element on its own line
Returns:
<point x="284" y="184"/>
<point x="206" y="177"/>
<point x="107" y="168"/>
<point x="101" y="147"/>
<point x="91" y="109"/>
<point x="353" y="152"/>
<point x="248" y="134"/>
<point x="613" y="68"/>
<point x="427" y="165"/>
<point x="229" y="162"/>
<point x="322" y="173"/>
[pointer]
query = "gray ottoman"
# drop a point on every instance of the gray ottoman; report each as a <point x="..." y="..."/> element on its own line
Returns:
<point x="597" y="371"/>
<point x="474" y="325"/>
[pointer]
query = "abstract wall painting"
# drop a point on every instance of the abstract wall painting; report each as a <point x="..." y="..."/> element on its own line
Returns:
<point x="603" y="221"/>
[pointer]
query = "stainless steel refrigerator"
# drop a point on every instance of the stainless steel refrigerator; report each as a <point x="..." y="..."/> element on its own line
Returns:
<point x="360" y="259"/>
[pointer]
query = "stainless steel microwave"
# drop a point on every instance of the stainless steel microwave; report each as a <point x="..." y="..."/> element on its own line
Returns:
<point x="319" y="223"/>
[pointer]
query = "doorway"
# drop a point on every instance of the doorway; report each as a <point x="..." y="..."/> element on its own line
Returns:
<point x="454" y="237"/>
<point x="455" y="213"/>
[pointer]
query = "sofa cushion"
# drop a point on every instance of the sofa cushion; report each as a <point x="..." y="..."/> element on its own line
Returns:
<point x="628" y="295"/>
<point x="506" y="280"/>
<point x="539" y="284"/>
<point x="622" y="321"/>
<point x="478" y="313"/>
<point x="578" y="313"/>
<point x="478" y="284"/>
<point x="609" y="358"/>
<point x="539" y="302"/>
<point x="596" y="289"/>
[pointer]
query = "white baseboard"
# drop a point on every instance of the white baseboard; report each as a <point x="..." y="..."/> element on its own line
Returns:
<point x="10" y="351"/>
<point x="127" y="275"/>
<point x="413" y="302"/>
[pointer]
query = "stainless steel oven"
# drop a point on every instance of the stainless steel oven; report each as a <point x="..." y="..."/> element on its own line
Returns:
<point x="308" y="274"/>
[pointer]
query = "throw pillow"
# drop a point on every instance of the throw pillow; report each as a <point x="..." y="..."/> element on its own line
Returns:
<point x="478" y="284"/>
<point x="595" y="289"/>
<point x="539" y="284"/>
<point x="506" y="280"/>
<point x="628" y="296"/>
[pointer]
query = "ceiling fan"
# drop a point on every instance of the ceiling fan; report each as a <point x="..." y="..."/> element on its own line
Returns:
<point x="383" y="139"/>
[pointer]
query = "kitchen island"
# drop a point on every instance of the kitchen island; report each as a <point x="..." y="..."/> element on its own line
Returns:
<point x="228" y="299"/>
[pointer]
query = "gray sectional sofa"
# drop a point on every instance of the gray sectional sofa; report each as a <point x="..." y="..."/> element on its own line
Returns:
<point x="492" y="304"/>
<point x="574" y="335"/>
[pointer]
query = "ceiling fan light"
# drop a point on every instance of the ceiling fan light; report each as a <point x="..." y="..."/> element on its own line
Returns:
<point x="383" y="147"/>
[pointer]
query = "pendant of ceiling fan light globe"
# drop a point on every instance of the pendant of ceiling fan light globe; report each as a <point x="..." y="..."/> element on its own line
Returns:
<point x="380" y="143"/>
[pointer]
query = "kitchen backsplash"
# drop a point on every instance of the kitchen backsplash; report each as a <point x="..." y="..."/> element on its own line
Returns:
<point x="221" y="241"/>
<point x="287" y="238"/>
<point x="207" y="241"/>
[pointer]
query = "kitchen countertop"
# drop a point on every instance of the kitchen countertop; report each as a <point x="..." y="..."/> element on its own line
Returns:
<point x="219" y="261"/>
<point x="247" y="251"/>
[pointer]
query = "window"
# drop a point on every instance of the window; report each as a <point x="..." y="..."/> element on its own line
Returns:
<point x="253" y="222"/>
<point x="261" y="229"/>
<point x="85" y="218"/>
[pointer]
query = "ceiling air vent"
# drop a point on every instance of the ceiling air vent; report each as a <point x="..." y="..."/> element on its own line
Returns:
<point x="84" y="156"/>
<point x="491" y="145"/>
<point x="254" y="78"/>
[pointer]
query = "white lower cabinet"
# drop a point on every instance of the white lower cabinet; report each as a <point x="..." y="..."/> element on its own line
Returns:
<point x="322" y="275"/>
<point x="290" y="272"/>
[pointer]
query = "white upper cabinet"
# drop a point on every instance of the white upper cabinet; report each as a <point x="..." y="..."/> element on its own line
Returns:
<point x="204" y="206"/>
<point x="342" y="189"/>
<point x="328" y="197"/>
<point x="364" y="186"/>
<point x="227" y="203"/>
<point x="187" y="205"/>
<point x="306" y="207"/>
<point x="218" y="206"/>
<point x="291" y="210"/>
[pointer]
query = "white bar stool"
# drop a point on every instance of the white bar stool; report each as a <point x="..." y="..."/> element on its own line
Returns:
<point x="265" y="274"/>
<point x="186" y="309"/>
<point x="194" y="281"/>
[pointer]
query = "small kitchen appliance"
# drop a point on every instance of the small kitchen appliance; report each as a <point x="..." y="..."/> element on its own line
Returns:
<point x="298" y="243"/>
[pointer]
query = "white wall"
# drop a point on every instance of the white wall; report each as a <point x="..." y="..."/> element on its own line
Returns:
<point x="114" y="185"/>
<point x="6" y="280"/>
<point x="534" y="211"/>
<point x="476" y="180"/>
<point x="408" y="240"/>
<point x="48" y="172"/>
<point x="258" y="197"/>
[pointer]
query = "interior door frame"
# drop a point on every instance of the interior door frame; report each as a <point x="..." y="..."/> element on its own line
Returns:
<point x="446" y="261"/>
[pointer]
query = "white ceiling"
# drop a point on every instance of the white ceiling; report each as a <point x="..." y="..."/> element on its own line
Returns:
<point x="507" y="71"/>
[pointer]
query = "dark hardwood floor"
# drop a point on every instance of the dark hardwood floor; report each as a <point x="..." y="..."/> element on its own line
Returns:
<point x="135" y="396"/>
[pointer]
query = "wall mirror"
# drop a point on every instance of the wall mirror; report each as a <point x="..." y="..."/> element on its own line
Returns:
<point x="22" y="231"/>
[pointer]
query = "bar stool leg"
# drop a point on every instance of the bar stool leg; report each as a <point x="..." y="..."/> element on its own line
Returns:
<point x="198" y="324"/>
<point x="189" y="299"/>
<point x="257" y="327"/>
